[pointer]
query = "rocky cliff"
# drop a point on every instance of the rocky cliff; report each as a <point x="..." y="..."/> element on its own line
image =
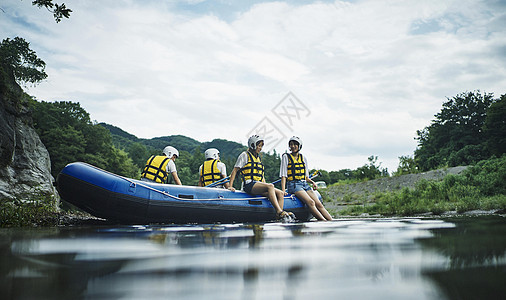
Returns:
<point x="24" y="161"/>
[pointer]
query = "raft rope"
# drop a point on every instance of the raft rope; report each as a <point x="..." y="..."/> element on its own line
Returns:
<point x="133" y="184"/>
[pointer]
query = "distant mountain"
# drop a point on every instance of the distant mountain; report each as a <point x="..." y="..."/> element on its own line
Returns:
<point x="122" y="140"/>
<point x="227" y="148"/>
<point x="118" y="132"/>
<point x="181" y="142"/>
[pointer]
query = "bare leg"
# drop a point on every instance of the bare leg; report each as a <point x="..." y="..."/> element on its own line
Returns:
<point x="304" y="196"/>
<point x="268" y="190"/>
<point x="319" y="205"/>
<point x="281" y="197"/>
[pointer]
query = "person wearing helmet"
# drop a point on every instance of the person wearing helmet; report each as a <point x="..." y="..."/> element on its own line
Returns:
<point x="212" y="169"/>
<point x="250" y="166"/>
<point x="294" y="173"/>
<point x="158" y="167"/>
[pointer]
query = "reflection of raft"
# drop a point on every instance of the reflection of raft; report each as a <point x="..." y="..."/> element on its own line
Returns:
<point x="113" y="197"/>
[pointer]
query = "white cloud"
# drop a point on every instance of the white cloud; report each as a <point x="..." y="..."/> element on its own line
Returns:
<point x="371" y="72"/>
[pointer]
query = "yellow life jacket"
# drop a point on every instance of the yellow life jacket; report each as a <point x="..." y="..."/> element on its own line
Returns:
<point x="210" y="172"/>
<point x="253" y="169"/>
<point x="156" y="168"/>
<point x="296" y="169"/>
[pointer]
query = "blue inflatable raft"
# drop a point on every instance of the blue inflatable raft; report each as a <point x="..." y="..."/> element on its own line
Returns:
<point x="117" y="198"/>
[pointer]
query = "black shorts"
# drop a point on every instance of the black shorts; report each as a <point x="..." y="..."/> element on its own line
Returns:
<point x="248" y="186"/>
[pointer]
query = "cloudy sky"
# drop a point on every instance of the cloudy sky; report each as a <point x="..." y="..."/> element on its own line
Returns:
<point x="350" y="78"/>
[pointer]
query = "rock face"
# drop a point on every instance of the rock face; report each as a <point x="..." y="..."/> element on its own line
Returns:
<point x="25" y="166"/>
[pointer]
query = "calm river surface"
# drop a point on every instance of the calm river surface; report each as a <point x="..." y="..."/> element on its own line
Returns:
<point x="408" y="258"/>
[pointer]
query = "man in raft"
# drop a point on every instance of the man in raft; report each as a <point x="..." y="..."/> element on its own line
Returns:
<point x="158" y="167"/>
<point x="212" y="169"/>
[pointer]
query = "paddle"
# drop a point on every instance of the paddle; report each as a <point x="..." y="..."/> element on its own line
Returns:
<point x="315" y="174"/>
<point x="221" y="181"/>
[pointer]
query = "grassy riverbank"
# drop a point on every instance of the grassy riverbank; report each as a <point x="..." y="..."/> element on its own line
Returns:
<point x="36" y="213"/>
<point x="480" y="187"/>
<point x="36" y="209"/>
<point x="41" y="210"/>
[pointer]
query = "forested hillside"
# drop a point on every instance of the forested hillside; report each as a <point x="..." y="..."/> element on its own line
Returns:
<point x="124" y="140"/>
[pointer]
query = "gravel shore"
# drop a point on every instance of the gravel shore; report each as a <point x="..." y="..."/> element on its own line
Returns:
<point x="341" y="196"/>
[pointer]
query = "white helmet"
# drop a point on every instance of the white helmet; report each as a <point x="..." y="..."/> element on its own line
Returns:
<point x="253" y="140"/>
<point x="296" y="139"/>
<point x="212" y="153"/>
<point x="170" y="151"/>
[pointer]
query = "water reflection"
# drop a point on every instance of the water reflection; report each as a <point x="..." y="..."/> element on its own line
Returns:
<point x="475" y="251"/>
<point x="384" y="258"/>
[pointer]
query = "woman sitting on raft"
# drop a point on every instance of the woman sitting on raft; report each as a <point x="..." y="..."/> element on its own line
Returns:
<point x="250" y="166"/>
<point x="293" y="170"/>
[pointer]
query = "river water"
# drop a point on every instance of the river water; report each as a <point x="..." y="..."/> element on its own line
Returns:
<point x="401" y="258"/>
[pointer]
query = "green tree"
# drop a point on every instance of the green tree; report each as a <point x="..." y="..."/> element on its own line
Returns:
<point x="185" y="172"/>
<point x="455" y="137"/>
<point x="138" y="153"/>
<point x="407" y="165"/>
<point x="343" y="174"/>
<point x="197" y="160"/>
<point x="372" y="170"/>
<point x="48" y="115"/>
<point x="271" y="164"/>
<point x="59" y="10"/>
<point x="325" y="176"/>
<point x="98" y="139"/>
<point x="117" y="161"/>
<point x="69" y="135"/>
<point x="64" y="144"/>
<point x="22" y="62"/>
<point x="186" y="176"/>
<point x="495" y="127"/>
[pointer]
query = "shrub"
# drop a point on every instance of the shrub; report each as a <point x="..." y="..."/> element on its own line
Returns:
<point x="489" y="176"/>
<point x="40" y="209"/>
